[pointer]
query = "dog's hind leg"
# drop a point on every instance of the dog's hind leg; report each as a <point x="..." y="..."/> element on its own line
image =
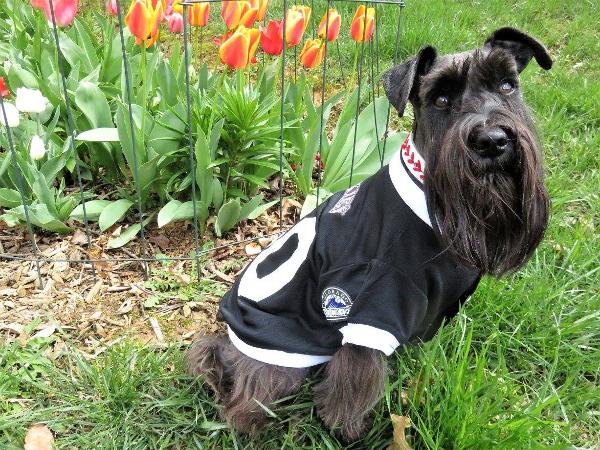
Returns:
<point x="206" y="358"/>
<point x="254" y="382"/>
<point x="353" y="383"/>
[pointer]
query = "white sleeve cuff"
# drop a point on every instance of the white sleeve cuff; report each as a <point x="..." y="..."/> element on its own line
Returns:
<point x="371" y="337"/>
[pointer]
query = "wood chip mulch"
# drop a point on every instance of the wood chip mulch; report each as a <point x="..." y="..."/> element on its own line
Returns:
<point x="97" y="312"/>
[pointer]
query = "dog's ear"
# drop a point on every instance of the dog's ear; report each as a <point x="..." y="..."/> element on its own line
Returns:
<point x="522" y="46"/>
<point x="401" y="83"/>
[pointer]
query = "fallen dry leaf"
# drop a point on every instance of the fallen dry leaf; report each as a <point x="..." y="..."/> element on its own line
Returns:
<point x="253" y="248"/>
<point x="400" y="423"/>
<point x="79" y="237"/>
<point x="45" y="332"/>
<point x="39" y="437"/>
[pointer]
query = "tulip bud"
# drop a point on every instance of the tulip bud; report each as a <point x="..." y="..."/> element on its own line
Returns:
<point x="198" y="14"/>
<point x="271" y="38"/>
<point x="175" y="22"/>
<point x="238" y="50"/>
<point x="64" y="10"/>
<point x="37" y="150"/>
<point x="4" y="92"/>
<point x="12" y="116"/>
<point x="111" y="7"/>
<point x="262" y="9"/>
<point x="193" y="73"/>
<point x="333" y="29"/>
<point x="294" y="27"/>
<point x="30" y="101"/>
<point x="363" y="24"/>
<point x="312" y="54"/>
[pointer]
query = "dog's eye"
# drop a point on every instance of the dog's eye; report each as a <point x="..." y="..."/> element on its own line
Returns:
<point x="442" y="102"/>
<point x="506" y="87"/>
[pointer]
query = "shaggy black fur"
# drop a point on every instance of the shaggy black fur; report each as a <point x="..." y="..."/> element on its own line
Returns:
<point x="485" y="193"/>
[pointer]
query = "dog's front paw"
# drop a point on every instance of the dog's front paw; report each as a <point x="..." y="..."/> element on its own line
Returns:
<point x="245" y="422"/>
<point x="348" y="429"/>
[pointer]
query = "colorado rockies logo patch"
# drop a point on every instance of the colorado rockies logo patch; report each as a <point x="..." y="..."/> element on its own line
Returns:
<point x="336" y="303"/>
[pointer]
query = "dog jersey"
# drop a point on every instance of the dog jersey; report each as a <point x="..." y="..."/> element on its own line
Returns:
<point x="364" y="268"/>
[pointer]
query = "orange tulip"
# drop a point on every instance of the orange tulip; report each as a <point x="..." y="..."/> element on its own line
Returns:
<point x="143" y="21"/>
<point x="262" y="8"/>
<point x="236" y="13"/>
<point x="312" y="54"/>
<point x="333" y="29"/>
<point x="362" y="27"/>
<point x="305" y="10"/>
<point x="198" y="14"/>
<point x="294" y="27"/>
<point x="239" y="49"/>
<point x="271" y="38"/>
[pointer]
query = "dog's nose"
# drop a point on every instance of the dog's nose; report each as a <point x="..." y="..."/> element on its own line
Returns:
<point x="490" y="142"/>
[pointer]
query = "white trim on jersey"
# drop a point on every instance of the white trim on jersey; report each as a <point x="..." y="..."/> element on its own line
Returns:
<point x="412" y="194"/>
<point x="254" y="288"/>
<point x="369" y="336"/>
<point x="276" y="357"/>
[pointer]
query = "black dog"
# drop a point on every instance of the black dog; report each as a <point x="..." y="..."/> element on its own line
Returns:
<point x="385" y="262"/>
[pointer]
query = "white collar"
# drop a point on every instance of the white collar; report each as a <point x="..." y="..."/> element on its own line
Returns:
<point x="407" y="169"/>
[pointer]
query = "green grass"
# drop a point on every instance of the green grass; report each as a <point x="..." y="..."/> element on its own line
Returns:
<point x="518" y="369"/>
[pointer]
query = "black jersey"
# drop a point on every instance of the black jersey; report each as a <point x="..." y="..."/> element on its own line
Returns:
<point x="364" y="268"/>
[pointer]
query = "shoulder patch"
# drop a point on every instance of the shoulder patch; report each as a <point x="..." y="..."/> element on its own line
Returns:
<point x="336" y="303"/>
<point x="345" y="202"/>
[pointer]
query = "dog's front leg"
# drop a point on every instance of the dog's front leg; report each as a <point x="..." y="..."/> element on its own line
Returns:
<point x="353" y="383"/>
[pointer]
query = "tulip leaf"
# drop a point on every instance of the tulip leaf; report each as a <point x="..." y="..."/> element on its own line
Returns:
<point x="167" y="83"/>
<point x="128" y="234"/>
<point x="38" y="216"/>
<point x="9" y="198"/>
<point x="227" y="217"/>
<point x="74" y="54"/>
<point x="93" y="209"/>
<point x="93" y="104"/>
<point x="113" y="213"/>
<point x="44" y="194"/>
<point x="176" y="210"/>
<point x="99" y="135"/>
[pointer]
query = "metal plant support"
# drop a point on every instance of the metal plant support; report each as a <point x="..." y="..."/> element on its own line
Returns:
<point x="371" y="53"/>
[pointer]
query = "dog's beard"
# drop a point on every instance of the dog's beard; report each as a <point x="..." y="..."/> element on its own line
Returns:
<point x="490" y="215"/>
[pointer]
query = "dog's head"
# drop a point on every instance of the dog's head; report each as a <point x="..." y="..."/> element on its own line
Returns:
<point x="484" y="175"/>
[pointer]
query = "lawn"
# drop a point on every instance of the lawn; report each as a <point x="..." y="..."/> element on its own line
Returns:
<point x="519" y="367"/>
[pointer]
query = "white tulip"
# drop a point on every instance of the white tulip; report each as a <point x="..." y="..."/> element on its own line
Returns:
<point x="12" y="114"/>
<point x="30" y="101"/>
<point x="36" y="148"/>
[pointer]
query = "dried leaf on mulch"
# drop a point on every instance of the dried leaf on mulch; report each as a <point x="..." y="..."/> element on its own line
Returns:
<point x="400" y="424"/>
<point x="39" y="437"/>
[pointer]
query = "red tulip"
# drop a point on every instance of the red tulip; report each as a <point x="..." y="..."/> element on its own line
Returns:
<point x="198" y="14"/>
<point x="271" y="38"/>
<point x="294" y="27"/>
<point x="175" y="21"/>
<point x="143" y="20"/>
<point x="4" y="92"/>
<point x="64" y="10"/>
<point x="111" y="7"/>
<point x="312" y="54"/>
<point x="333" y="29"/>
<point x="362" y="27"/>
<point x="239" y="49"/>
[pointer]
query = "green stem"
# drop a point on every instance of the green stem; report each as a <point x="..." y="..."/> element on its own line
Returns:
<point x="144" y="95"/>
<point x="354" y="67"/>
